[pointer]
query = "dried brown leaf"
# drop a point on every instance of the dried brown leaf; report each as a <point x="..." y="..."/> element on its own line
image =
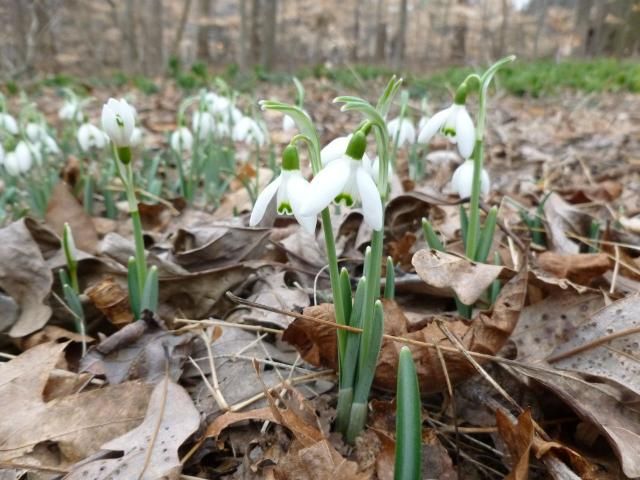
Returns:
<point x="455" y="275"/>
<point x="519" y="439"/>
<point x="150" y="451"/>
<point x="112" y="300"/>
<point x="144" y="349"/>
<point x="77" y="424"/>
<point x="486" y="333"/>
<point x="64" y="208"/>
<point x="25" y="277"/>
<point x="580" y="268"/>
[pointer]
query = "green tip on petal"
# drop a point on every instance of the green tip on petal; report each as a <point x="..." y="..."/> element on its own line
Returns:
<point x="461" y="94"/>
<point x="290" y="158"/>
<point x="357" y="145"/>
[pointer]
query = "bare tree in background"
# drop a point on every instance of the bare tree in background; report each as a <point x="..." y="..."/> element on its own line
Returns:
<point x="400" y="40"/>
<point x="153" y="23"/>
<point x="45" y="43"/>
<point x="130" y="50"/>
<point x="356" y="32"/>
<point x="244" y="28"/>
<point x="381" y="32"/>
<point x="270" y="18"/>
<point x="502" y="35"/>
<point x="540" y="21"/>
<point x="202" y="41"/>
<point x="582" y="24"/>
<point x="254" y="44"/>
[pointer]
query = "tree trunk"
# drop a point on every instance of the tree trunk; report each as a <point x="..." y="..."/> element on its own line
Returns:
<point x="269" y="32"/>
<point x="202" y="42"/>
<point x="242" y="54"/>
<point x="542" y="16"/>
<point x="130" y="51"/>
<point x="582" y="24"/>
<point x="154" y="34"/>
<point x="45" y="44"/>
<point x="254" y="49"/>
<point x="401" y="37"/>
<point x="356" y="32"/>
<point x="175" y="50"/>
<point x="381" y="32"/>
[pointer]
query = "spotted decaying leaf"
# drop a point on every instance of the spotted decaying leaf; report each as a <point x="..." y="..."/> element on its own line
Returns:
<point x="486" y="333"/>
<point x="150" y="451"/>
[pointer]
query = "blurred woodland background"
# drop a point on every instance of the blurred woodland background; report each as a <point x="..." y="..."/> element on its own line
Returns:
<point x="94" y="37"/>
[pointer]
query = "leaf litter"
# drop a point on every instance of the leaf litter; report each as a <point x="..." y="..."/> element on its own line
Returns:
<point x="563" y="334"/>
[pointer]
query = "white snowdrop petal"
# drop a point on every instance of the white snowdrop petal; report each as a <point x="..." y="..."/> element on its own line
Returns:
<point x="434" y="124"/>
<point x="334" y="149"/>
<point x="326" y="186"/>
<point x="263" y="201"/>
<point x="465" y="133"/>
<point x="370" y="198"/>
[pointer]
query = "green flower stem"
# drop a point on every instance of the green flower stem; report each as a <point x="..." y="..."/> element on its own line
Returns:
<point x="141" y="264"/>
<point x="473" y="230"/>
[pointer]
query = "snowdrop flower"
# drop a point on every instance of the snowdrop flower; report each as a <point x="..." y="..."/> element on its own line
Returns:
<point x="202" y="124"/>
<point x="403" y="129"/>
<point x="8" y="123"/>
<point x="38" y="135"/>
<point x="462" y="180"/>
<point x="217" y="103"/>
<point x="248" y="130"/>
<point x="455" y="123"/>
<point x="70" y="110"/>
<point x="118" y="121"/>
<point x="89" y="136"/>
<point x="181" y="140"/>
<point x="1" y="155"/>
<point x="373" y="168"/>
<point x="19" y="161"/>
<point x="290" y="190"/>
<point x="423" y="121"/>
<point x="346" y="180"/>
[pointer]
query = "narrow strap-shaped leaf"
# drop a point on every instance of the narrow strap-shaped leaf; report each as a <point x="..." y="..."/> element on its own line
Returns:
<point x="150" y="294"/>
<point x="486" y="235"/>
<point x="430" y="236"/>
<point x="390" y="283"/>
<point x="345" y="285"/>
<point x="408" y="463"/>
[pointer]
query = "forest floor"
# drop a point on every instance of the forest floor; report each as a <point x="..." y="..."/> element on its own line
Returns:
<point x="545" y="384"/>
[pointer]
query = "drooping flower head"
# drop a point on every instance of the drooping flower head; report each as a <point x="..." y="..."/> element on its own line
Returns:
<point x="462" y="180"/>
<point x="181" y="140"/>
<point x="89" y="137"/>
<point x="290" y="190"/>
<point x="403" y="129"/>
<point x="118" y="121"/>
<point x="454" y="123"/>
<point x="8" y="123"/>
<point x="249" y="131"/>
<point x="18" y="161"/>
<point x="345" y="180"/>
<point x="71" y="111"/>
<point x="203" y="124"/>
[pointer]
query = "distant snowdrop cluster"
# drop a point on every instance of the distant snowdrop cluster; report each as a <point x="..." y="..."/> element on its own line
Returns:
<point x="217" y="118"/>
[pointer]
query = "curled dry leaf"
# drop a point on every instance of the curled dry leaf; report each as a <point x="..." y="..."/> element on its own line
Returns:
<point x="486" y="333"/>
<point x="563" y="218"/>
<point x="455" y="275"/>
<point x="150" y="451"/>
<point x="580" y="268"/>
<point x="76" y="424"/>
<point x="144" y="349"/>
<point x="25" y="277"/>
<point x="217" y="246"/>
<point x="518" y="438"/>
<point x="112" y="300"/>
<point x="64" y="208"/>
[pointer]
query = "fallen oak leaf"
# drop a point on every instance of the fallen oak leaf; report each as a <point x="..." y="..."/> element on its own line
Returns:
<point x="519" y="439"/>
<point x="112" y="300"/>
<point x="76" y="424"/>
<point x="150" y="451"/>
